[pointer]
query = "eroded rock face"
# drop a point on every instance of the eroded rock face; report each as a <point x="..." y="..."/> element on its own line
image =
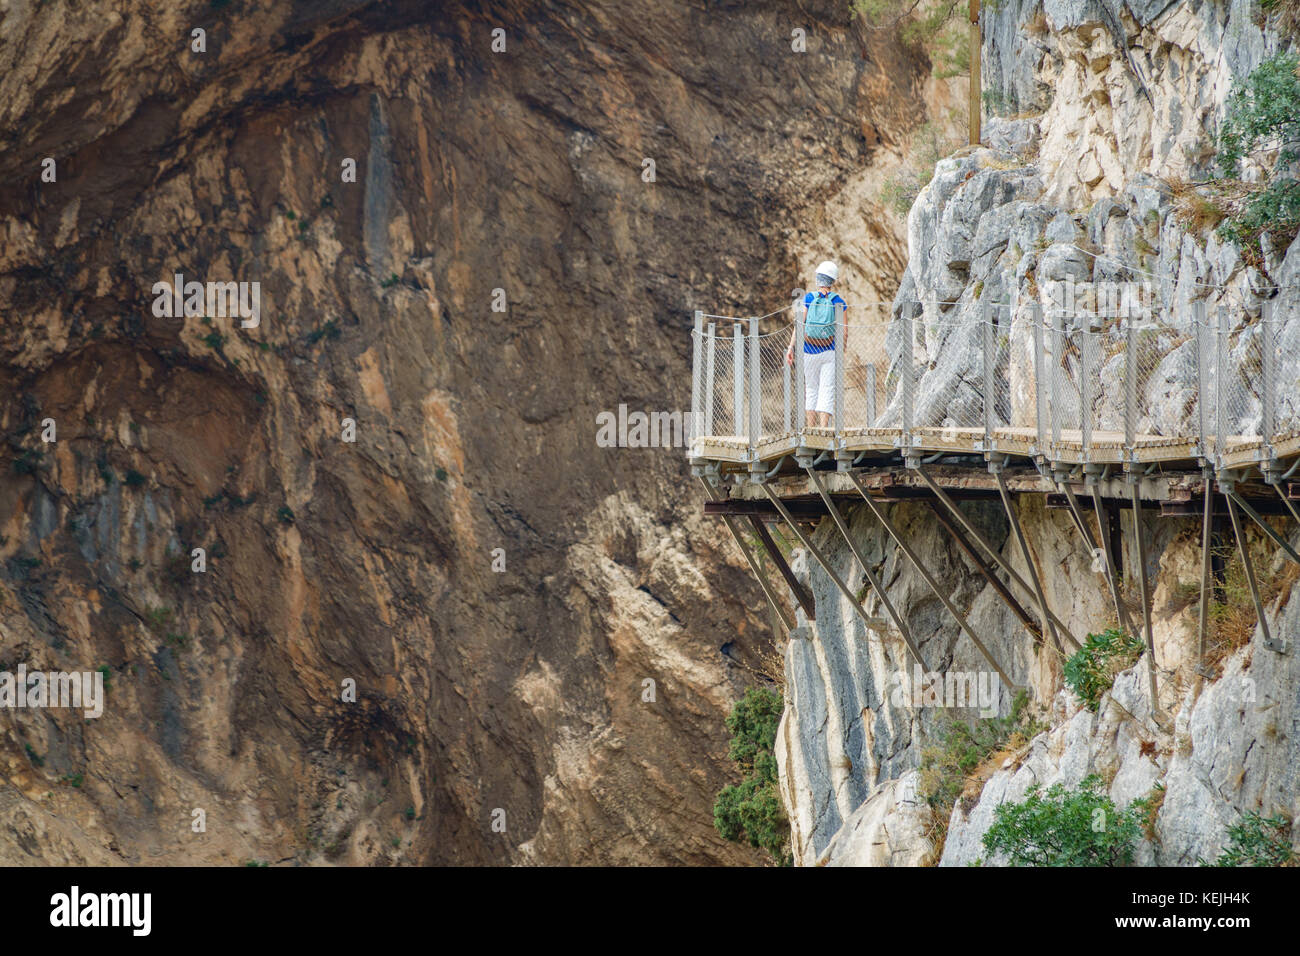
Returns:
<point x="518" y="171"/>
<point x="1107" y="103"/>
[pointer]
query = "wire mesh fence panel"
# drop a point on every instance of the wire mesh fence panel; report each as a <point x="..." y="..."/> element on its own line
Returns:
<point x="866" y="365"/>
<point x="1241" y="375"/>
<point x="720" y="381"/>
<point x="776" y="381"/>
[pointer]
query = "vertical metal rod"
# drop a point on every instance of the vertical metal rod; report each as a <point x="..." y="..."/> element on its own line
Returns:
<point x="1049" y="625"/>
<point x="1268" y="377"/>
<point x="976" y="101"/>
<point x="755" y="393"/>
<point x="838" y="581"/>
<point x="787" y="410"/>
<point x="712" y="361"/>
<point x="737" y="380"/>
<point x="1054" y="380"/>
<point x="1250" y="569"/>
<point x="871" y="393"/>
<point x="1088" y="358"/>
<point x="1130" y="388"/>
<point x="749" y="557"/>
<point x="1112" y="571"/>
<point x="1140" y="559"/>
<point x="908" y="375"/>
<point x="839" y="359"/>
<point x="1203" y="621"/>
<point x="988" y="547"/>
<point x="929" y="578"/>
<point x="1220" y="373"/>
<point x="986" y="340"/>
<point x="1202" y="377"/>
<point x="697" y="378"/>
<point x="800" y="313"/>
<point x="1040" y="387"/>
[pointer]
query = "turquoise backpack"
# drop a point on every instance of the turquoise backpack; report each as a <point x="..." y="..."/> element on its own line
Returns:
<point x="820" y="323"/>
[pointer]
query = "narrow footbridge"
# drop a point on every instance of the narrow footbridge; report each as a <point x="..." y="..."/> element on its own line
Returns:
<point x="1189" y="411"/>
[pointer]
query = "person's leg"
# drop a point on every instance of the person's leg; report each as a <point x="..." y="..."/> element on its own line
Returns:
<point x="811" y="368"/>
<point x="826" y="390"/>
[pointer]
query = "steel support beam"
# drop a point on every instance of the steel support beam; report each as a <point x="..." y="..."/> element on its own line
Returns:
<point x="801" y="594"/>
<point x="1112" y="570"/>
<point x="1267" y="528"/>
<point x="989" y="549"/>
<point x="1003" y="592"/>
<point x="1250" y="575"/>
<point x="753" y="562"/>
<point x="1140" y="559"/>
<point x="839" y="582"/>
<point x="1049" y="625"/>
<point x="929" y="579"/>
<point x="1203" y="621"/>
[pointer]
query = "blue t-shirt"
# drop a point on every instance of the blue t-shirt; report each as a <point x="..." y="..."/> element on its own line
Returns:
<point x="840" y="304"/>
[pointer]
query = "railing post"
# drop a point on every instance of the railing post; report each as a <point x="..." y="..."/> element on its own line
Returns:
<point x="908" y="376"/>
<point x="1040" y="390"/>
<point x="755" y="392"/>
<point x="871" y="393"/>
<point x="799" y="397"/>
<point x="1202" y="377"/>
<point x="787" y="410"/>
<point x="737" y="380"/>
<point x="838" y="423"/>
<point x="1268" y="378"/>
<point x="711" y="363"/>
<point x="1130" y="386"/>
<point x="1055" y="375"/>
<point x="697" y="378"/>
<point x="1220" y="373"/>
<point x="1088" y="365"/>
<point x="986" y="340"/>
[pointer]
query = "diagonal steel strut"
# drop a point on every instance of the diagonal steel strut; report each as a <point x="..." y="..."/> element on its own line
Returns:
<point x="1250" y="570"/>
<point x="1139" y="551"/>
<point x="839" y="583"/>
<point x="1049" y="624"/>
<point x="925" y="573"/>
<point x="753" y="563"/>
<point x="1280" y="541"/>
<point x="992" y="552"/>
<point x="1112" y="575"/>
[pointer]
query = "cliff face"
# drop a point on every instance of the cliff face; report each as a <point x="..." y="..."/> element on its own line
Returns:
<point x="1103" y="105"/>
<point x="476" y="171"/>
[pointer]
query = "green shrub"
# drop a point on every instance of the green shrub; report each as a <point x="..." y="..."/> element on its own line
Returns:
<point x="1064" y="827"/>
<point x="1257" y="841"/>
<point x="1092" y="669"/>
<point x="1263" y="114"/>
<point x="962" y="747"/>
<point x="751" y="811"/>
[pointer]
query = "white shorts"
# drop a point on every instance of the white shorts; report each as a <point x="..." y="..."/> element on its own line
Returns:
<point x="819" y="382"/>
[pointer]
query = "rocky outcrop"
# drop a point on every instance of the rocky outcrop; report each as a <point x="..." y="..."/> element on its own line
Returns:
<point x="1104" y="105"/>
<point x="499" y="587"/>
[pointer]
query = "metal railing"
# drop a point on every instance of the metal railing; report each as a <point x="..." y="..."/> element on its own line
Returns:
<point x="1076" y="384"/>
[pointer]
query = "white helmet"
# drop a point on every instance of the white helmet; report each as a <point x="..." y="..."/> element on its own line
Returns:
<point x="828" y="269"/>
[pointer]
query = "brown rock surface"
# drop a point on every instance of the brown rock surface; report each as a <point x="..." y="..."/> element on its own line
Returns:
<point x="475" y="430"/>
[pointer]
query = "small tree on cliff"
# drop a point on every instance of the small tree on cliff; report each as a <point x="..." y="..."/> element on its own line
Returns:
<point x="751" y="811"/>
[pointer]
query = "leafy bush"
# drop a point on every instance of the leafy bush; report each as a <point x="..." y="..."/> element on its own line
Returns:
<point x="1092" y="669"/>
<point x="1063" y="827"/>
<point x="751" y="811"/>
<point x="938" y="28"/>
<point x="1257" y="841"/>
<point x="947" y="768"/>
<point x="900" y="189"/>
<point x="1263" y="115"/>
